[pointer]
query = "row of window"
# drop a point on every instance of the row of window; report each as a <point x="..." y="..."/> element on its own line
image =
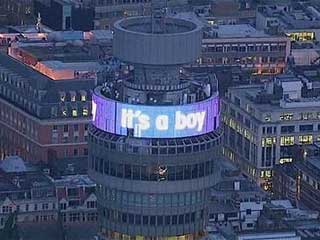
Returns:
<point x="152" y="172"/>
<point x="28" y="207"/>
<point x="266" y="47"/>
<point x="137" y="219"/>
<point x="78" y="217"/>
<point x="155" y="147"/>
<point x="124" y="198"/>
<point x="247" y="60"/>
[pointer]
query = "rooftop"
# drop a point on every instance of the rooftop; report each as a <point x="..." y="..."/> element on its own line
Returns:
<point x="14" y="164"/>
<point x="238" y="31"/>
<point x="74" y="180"/>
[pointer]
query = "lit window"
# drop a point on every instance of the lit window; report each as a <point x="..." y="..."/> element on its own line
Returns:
<point x="268" y="141"/>
<point x="85" y="112"/>
<point x="287" y="140"/>
<point x="306" y="115"/>
<point x="285" y="160"/>
<point x="267" y="118"/>
<point x="286" y="116"/>
<point x="73" y="96"/>
<point x="74" y="113"/>
<point x="83" y="98"/>
<point x="64" y="111"/>
<point x="62" y="97"/>
<point x="305" y="139"/>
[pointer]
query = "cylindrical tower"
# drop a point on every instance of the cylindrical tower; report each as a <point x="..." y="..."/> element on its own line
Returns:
<point x="155" y="139"/>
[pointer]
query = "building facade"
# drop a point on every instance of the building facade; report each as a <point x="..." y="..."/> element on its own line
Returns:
<point x="45" y="95"/>
<point x="263" y="123"/>
<point x="152" y="160"/>
<point x="243" y="45"/>
<point x="77" y="199"/>
<point x="26" y="193"/>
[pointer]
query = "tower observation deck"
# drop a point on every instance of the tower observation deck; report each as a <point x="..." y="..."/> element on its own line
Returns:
<point x="155" y="138"/>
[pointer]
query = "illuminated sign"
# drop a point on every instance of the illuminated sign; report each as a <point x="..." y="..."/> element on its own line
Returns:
<point x="155" y="121"/>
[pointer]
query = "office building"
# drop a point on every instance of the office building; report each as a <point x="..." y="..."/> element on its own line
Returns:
<point x="45" y="93"/>
<point x="154" y="144"/>
<point x="263" y="122"/>
<point x="243" y="45"/>
<point x="301" y="178"/>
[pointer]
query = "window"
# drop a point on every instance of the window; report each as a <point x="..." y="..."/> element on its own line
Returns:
<point x="85" y="111"/>
<point x="63" y="206"/>
<point x="306" y="115"/>
<point x="54" y="128"/>
<point x="72" y="192"/>
<point x="74" y="112"/>
<point x="286" y="140"/>
<point x="286" y="116"/>
<point x="267" y="118"/>
<point x="306" y="128"/>
<point x="45" y="206"/>
<point x="287" y="129"/>
<point x="75" y="127"/>
<point x="75" y="152"/>
<point x="305" y="139"/>
<point x="73" y="97"/>
<point x="285" y="160"/>
<point x="268" y="141"/>
<point x="65" y="128"/>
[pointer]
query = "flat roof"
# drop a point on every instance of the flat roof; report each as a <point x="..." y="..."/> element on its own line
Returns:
<point x="238" y="31"/>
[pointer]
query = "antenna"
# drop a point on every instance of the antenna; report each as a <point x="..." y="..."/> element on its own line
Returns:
<point x="38" y="24"/>
<point x="158" y="14"/>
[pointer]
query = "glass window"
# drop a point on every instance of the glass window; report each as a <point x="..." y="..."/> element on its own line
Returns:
<point x="187" y="172"/>
<point x="306" y="128"/>
<point x="167" y="220"/>
<point x="179" y="172"/>
<point x="137" y="219"/>
<point x="127" y="171"/>
<point x="152" y="220"/>
<point x="286" y="140"/>
<point x="305" y="139"/>
<point x="136" y="172"/>
<point x="159" y="220"/>
<point x="181" y="218"/>
<point x="174" y="219"/>
<point x="145" y="220"/>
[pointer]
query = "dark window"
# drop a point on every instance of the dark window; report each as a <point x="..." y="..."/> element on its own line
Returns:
<point x="137" y="219"/>
<point x="306" y="128"/>
<point x="124" y="217"/>
<point x="167" y="220"/>
<point x="152" y="220"/>
<point x="145" y="220"/>
<point x="174" y="219"/>
<point x="159" y="220"/>
<point x="287" y="129"/>
<point x="181" y="217"/>
<point x="131" y="218"/>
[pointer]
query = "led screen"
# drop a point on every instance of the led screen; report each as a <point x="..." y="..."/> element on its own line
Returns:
<point x="155" y="121"/>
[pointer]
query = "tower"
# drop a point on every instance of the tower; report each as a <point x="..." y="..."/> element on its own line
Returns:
<point x="155" y="138"/>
